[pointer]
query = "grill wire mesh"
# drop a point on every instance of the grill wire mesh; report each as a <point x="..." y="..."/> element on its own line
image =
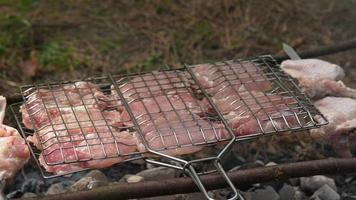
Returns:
<point x="174" y="111"/>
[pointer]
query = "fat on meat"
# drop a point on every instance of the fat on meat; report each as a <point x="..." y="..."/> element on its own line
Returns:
<point x="341" y="115"/>
<point x="14" y="152"/>
<point x="318" y="78"/>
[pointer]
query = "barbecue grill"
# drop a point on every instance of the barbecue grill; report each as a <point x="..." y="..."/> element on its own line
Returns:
<point x="189" y="120"/>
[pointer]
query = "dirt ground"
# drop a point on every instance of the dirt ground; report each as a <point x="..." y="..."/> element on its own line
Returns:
<point x="66" y="40"/>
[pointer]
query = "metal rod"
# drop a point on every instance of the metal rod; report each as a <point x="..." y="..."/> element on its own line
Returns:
<point x="322" y="51"/>
<point x="186" y="185"/>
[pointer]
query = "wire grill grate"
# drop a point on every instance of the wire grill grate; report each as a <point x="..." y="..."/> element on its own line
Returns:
<point x="105" y="120"/>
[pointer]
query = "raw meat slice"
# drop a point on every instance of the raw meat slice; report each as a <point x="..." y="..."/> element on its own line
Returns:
<point x="318" y="78"/>
<point x="43" y="105"/>
<point x="14" y="153"/>
<point x="94" y="150"/>
<point x="171" y="123"/>
<point x="228" y="99"/>
<point x="216" y="77"/>
<point x="251" y="112"/>
<point x="77" y="120"/>
<point x="263" y="113"/>
<point x="182" y="101"/>
<point x="152" y="84"/>
<point x="179" y="133"/>
<point x="76" y="127"/>
<point x="341" y="115"/>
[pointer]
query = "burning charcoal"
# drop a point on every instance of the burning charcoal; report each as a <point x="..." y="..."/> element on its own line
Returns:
<point x="93" y="179"/>
<point x="158" y="173"/>
<point x="59" y="188"/>
<point x="315" y="182"/>
<point x="286" y="192"/>
<point x="326" y="193"/>
<point x="265" y="193"/>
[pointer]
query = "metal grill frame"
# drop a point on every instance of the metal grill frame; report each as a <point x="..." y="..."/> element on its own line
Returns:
<point x="267" y="61"/>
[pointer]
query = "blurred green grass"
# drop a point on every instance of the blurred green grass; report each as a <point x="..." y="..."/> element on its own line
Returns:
<point x="61" y="40"/>
<point x="64" y="40"/>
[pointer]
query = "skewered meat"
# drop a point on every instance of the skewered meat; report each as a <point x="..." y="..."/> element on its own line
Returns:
<point x="341" y="114"/>
<point x="318" y="78"/>
<point x="14" y="153"/>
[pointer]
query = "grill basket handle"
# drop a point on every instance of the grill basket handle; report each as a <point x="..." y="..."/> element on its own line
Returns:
<point x="194" y="175"/>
